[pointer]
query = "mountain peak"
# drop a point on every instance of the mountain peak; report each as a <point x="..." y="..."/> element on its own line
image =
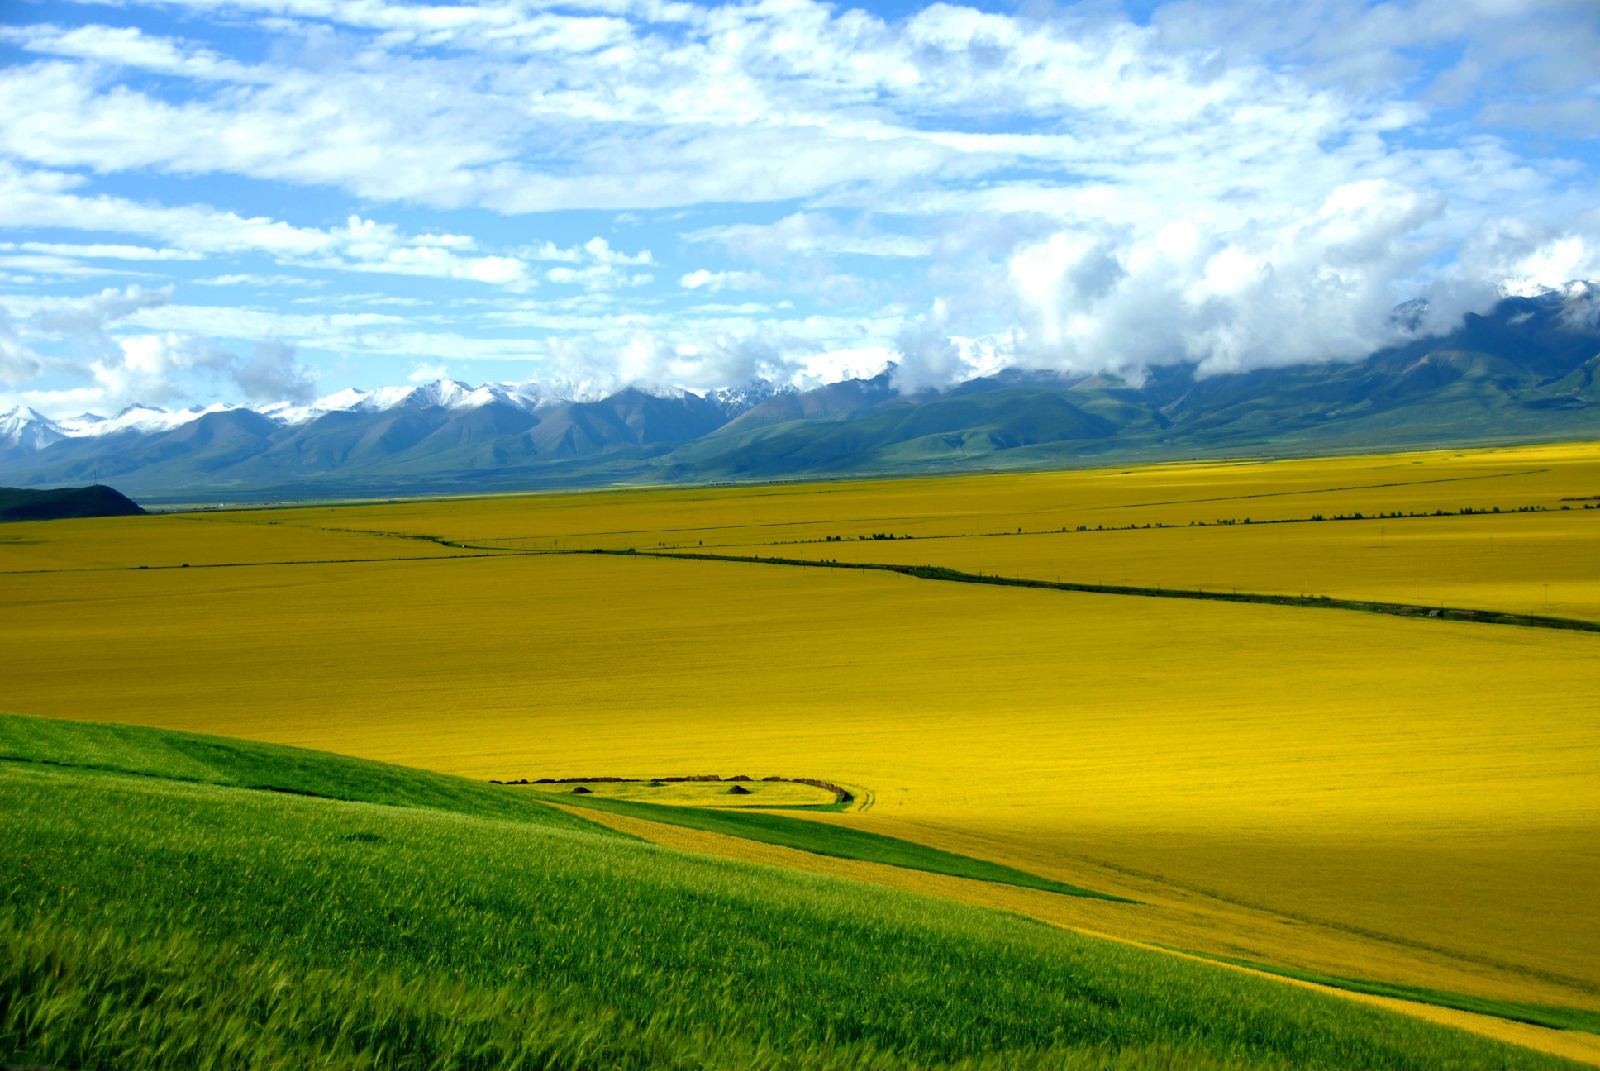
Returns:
<point x="25" y="428"/>
<point x="453" y="394"/>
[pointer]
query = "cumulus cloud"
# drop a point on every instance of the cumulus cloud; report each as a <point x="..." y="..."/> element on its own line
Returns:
<point x="152" y="368"/>
<point x="1237" y="185"/>
<point x="271" y="373"/>
<point x="160" y="369"/>
<point x="91" y="315"/>
<point x="652" y="360"/>
<point x="1317" y="286"/>
<point x="927" y="357"/>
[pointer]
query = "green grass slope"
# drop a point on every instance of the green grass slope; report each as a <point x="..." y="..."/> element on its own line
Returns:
<point x="216" y="760"/>
<point x="839" y="841"/>
<point x="148" y="922"/>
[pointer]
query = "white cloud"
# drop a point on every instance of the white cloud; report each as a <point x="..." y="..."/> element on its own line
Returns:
<point x="1529" y="259"/>
<point x="18" y="363"/>
<point x="1239" y="184"/>
<point x="644" y="358"/>
<point x="127" y="46"/>
<point x="272" y="373"/>
<point x="810" y="233"/>
<point x="228" y="321"/>
<point x="91" y="315"/>
<point x="600" y="250"/>
<point x="41" y="199"/>
<point x="598" y="277"/>
<point x="46" y="265"/>
<point x="928" y="357"/>
<point x="157" y="369"/>
<point x="251" y="279"/>
<point x="713" y="281"/>
<point x="101" y="251"/>
<point x="1315" y="286"/>
<point x="427" y="373"/>
<point x="34" y="198"/>
<point x="149" y="368"/>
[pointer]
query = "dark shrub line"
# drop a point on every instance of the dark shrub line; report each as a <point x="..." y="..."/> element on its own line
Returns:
<point x="1315" y="518"/>
<point x="841" y="795"/>
<point x="939" y="572"/>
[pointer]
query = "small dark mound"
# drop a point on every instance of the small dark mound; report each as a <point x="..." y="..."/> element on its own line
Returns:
<point x="581" y="791"/>
<point x="738" y="790"/>
<point x="655" y="784"/>
<point x="22" y="504"/>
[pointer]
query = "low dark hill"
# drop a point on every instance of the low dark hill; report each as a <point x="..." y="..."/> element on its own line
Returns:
<point x="20" y="504"/>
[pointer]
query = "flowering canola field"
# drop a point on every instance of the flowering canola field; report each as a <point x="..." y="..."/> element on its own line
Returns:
<point x="1374" y="797"/>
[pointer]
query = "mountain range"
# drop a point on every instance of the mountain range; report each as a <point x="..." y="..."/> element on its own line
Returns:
<point x="1528" y="370"/>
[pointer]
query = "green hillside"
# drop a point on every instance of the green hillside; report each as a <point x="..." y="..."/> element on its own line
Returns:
<point x="368" y="916"/>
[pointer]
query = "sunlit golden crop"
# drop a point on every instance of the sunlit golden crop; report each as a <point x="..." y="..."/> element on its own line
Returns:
<point x="1362" y="795"/>
<point x="175" y="540"/>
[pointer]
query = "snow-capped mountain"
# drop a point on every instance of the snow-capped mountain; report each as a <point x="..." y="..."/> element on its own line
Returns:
<point x="26" y="430"/>
<point x="141" y="418"/>
<point x="390" y="430"/>
<point x="1531" y="370"/>
<point x="736" y="400"/>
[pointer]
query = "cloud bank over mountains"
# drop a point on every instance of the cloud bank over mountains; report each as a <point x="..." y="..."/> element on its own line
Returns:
<point x="260" y="200"/>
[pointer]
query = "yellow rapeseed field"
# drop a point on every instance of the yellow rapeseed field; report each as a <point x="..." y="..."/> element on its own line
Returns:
<point x="1526" y="563"/>
<point x="1174" y="494"/>
<point x="1545" y="562"/>
<point x="1409" y="800"/>
<point x="175" y="540"/>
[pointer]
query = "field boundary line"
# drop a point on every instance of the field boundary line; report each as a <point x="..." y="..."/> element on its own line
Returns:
<point x="247" y="565"/>
<point x="1329" y="490"/>
<point x="956" y="576"/>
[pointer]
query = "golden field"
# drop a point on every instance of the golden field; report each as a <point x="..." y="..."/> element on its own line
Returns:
<point x="1175" y="494"/>
<point x="1525" y="563"/>
<point x="1545" y="562"/>
<point x="1375" y="797"/>
<point x="195" y="539"/>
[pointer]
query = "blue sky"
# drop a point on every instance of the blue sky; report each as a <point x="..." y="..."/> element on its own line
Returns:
<point x="262" y="200"/>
